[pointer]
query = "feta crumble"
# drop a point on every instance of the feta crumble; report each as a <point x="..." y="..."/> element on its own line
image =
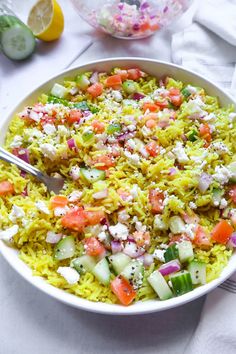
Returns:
<point x="119" y="231"/>
<point x="6" y="235"/>
<point x="75" y="172"/>
<point x="159" y="255"/>
<point x="223" y="203"/>
<point x="52" y="237"/>
<point x="74" y="196"/>
<point x="123" y="216"/>
<point x="49" y="151"/>
<point x="16" y="142"/>
<point x="222" y="174"/>
<point x="70" y="274"/>
<point x="41" y="206"/>
<point x="180" y="153"/>
<point x="16" y="213"/>
<point x="49" y="129"/>
<point x="133" y="158"/>
<point x="192" y="205"/>
<point x="220" y="148"/>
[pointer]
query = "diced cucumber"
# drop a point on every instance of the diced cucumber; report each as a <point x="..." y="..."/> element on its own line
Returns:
<point x="84" y="263"/>
<point x="133" y="272"/>
<point x="171" y="253"/>
<point x="119" y="261"/>
<point x="185" y="249"/>
<point x="102" y="271"/>
<point x="185" y="92"/>
<point x="159" y="284"/>
<point x="113" y="128"/>
<point x="92" y="175"/>
<point x="59" y="91"/>
<point x="16" y="39"/>
<point x="65" y="248"/>
<point x="176" y="224"/>
<point x="181" y="282"/>
<point x="81" y="105"/>
<point x="232" y="168"/>
<point x="159" y="223"/>
<point x="197" y="271"/>
<point x="82" y="82"/>
<point x="130" y="86"/>
<point x="217" y="195"/>
<point x="87" y="136"/>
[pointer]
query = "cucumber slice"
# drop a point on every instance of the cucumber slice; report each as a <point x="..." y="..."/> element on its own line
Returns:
<point x="133" y="272"/>
<point x="82" y="82"/>
<point x="185" y="249"/>
<point x="177" y="225"/>
<point x="159" y="284"/>
<point x="102" y="271"/>
<point x="129" y="86"/>
<point x="84" y="264"/>
<point x="59" y="91"/>
<point x="113" y="128"/>
<point x="181" y="282"/>
<point x="16" y="39"/>
<point x="92" y="175"/>
<point x="65" y="248"/>
<point x="171" y="253"/>
<point x="232" y="168"/>
<point x="119" y="261"/>
<point x="185" y="92"/>
<point x="159" y="223"/>
<point x="197" y="271"/>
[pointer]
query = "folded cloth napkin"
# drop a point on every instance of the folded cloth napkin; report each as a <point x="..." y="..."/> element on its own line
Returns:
<point x="208" y="46"/>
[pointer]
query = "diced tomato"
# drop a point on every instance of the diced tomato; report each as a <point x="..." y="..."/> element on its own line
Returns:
<point x="93" y="247"/>
<point x="176" y="100"/>
<point x="156" y="198"/>
<point x="78" y="218"/>
<point x="154" y="27"/>
<point x="152" y="148"/>
<point x="201" y="239"/>
<point x="179" y="238"/>
<point x="123" y="290"/>
<point x="95" y="90"/>
<point x="162" y="103"/>
<point x="205" y="132"/>
<point x="113" y="81"/>
<point x="151" y="123"/>
<point x="59" y="201"/>
<point x="47" y="120"/>
<point x="222" y="232"/>
<point x="134" y="74"/>
<point x="6" y="187"/>
<point x="232" y="194"/>
<point x="123" y="74"/>
<point x="98" y="127"/>
<point x="74" y="116"/>
<point x="94" y="217"/>
<point x="144" y="26"/>
<point x="142" y="238"/>
<point x="152" y="107"/>
<point x="106" y="162"/>
<point x="173" y="91"/>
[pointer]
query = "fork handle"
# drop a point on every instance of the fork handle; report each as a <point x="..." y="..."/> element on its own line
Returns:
<point x="8" y="157"/>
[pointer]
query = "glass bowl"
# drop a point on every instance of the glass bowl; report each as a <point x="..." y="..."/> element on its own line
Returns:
<point x="130" y="19"/>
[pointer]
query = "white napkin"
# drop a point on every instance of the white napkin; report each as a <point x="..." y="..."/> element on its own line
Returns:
<point x="208" y="46"/>
<point x="48" y="59"/>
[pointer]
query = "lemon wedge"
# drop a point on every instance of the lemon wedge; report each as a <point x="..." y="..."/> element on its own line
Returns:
<point x="46" y="20"/>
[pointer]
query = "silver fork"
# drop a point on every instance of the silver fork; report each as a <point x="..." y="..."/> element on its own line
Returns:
<point x="53" y="184"/>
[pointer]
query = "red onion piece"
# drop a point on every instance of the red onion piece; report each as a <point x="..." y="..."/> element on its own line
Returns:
<point x="72" y="144"/>
<point x="232" y="240"/>
<point x="172" y="171"/>
<point x="138" y="96"/>
<point x="52" y="237"/>
<point x="144" y="6"/>
<point x="170" y="267"/>
<point x="25" y="192"/>
<point x="147" y="259"/>
<point x="23" y="154"/>
<point x="163" y="123"/>
<point x="132" y="250"/>
<point x="125" y="136"/>
<point x="116" y="246"/>
<point x="105" y="221"/>
<point x="204" y="182"/>
<point x="94" y="77"/>
<point x="184" y="137"/>
<point x="101" y="194"/>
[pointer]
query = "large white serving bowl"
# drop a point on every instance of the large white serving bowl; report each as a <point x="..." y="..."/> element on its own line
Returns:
<point x="158" y="69"/>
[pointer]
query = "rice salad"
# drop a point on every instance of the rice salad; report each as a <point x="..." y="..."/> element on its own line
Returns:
<point x="148" y="208"/>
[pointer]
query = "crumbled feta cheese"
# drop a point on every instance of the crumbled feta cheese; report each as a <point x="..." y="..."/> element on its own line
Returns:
<point x="49" y="129"/>
<point x="70" y="274"/>
<point x="131" y="144"/>
<point x="220" y="148"/>
<point x="73" y="91"/>
<point x="16" y="213"/>
<point x="52" y="237"/>
<point x="75" y="172"/>
<point x="146" y="131"/>
<point x="123" y="216"/>
<point x="144" y="152"/>
<point x="192" y="205"/>
<point x="6" y="235"/>
<point x="61" y="211"/>
<point x="34" y="116"/>
<point x="222" y="174"/>
<point x="190" y="230"/>
<point x="164" y="246"/>
<point x="159" y="255"/>
<point x="180" y="153"/>
<point x="25" y="222"/>
<point x="134" y="191"/>
<point x="41" y="206"/>
<point x="210" y="118"/>
<point x="119" y="231"/>
<point x="35" y="133"/>
<point x="116" y="95"/>
<point x="133" y="158"/>
<point x="49" y="151"/>
<point x="74" y="196"/>
<point x="102" y="236"/>
<point x="62" y="130"/>
<point x="140" y="227"/>
<point x="223" y="203"/>
<point x="16" y="142"/>
<point x="131" y="127"/>
<point x="191" y="89"/>
<point x="162" y="151"/>
<point x="194" y="106"/>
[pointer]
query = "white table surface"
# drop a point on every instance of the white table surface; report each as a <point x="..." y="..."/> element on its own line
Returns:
<point x="33" y="323"/>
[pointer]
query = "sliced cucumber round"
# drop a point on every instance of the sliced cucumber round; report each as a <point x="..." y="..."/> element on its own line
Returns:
<point x="65" y="248"/>
<point x="16" y="39"/>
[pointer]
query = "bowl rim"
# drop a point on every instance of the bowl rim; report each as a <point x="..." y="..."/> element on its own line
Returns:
<point x="149" y="306"/>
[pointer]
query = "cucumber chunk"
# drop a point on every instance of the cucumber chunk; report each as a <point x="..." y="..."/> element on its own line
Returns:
<point x="92" y="175"/>
<point x="82" y="82"/>
<point x="177" y="226"/>
<point x="217" y="195"/>
<point x="129" y="86"/>
<point x="65" y="248"/>
<point x="133" y="272"/>
<point x="197" y="271"/>
<point x="181" y="282"/>
<point x="185" y="249"/>
<point x="59" y="91"/>
<point x="171" y="253"/>
<point x="119" y="261"/>
<point x="159" y="284"/>
<point x="102" y="271"/>
<point x="84" y="263"/>
<point x="113" y="128"/>
<point x="16" y="39"/>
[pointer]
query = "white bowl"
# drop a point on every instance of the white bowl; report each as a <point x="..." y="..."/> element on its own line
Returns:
<point x="158" y="69"/>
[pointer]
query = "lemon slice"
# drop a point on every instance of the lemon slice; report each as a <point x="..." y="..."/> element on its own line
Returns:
<point x="46" y="20"/>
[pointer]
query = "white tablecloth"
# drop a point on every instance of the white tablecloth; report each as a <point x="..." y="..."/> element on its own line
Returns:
<point x="30" y="321"/>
